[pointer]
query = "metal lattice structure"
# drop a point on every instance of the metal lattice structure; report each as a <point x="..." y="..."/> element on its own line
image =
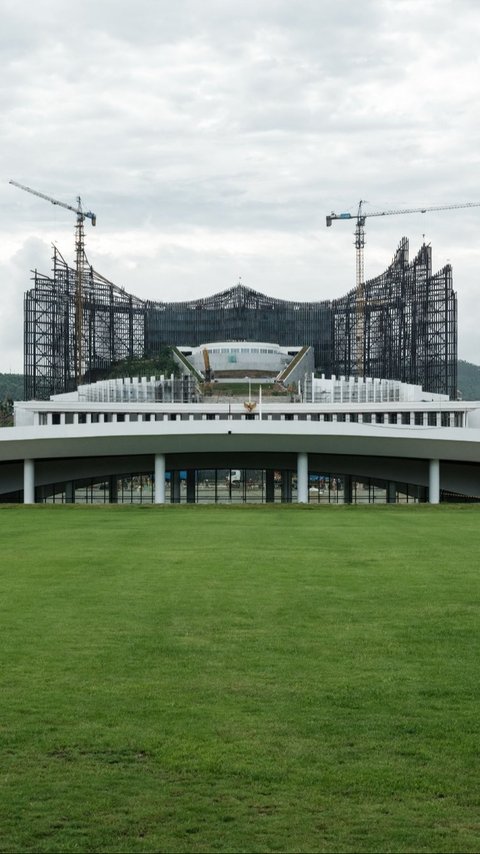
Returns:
<point x="410" y="325"/>
<point x="113" y="328"/>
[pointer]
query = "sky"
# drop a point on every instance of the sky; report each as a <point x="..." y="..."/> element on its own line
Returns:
<point x="212" y="137"/>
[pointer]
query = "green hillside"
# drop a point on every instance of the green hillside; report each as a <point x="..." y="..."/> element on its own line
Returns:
<point x="468" y="380"/>
<point x="11" y="386"/>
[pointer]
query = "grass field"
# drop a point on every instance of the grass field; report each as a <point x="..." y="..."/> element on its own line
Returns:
<point x="240" y="679"/>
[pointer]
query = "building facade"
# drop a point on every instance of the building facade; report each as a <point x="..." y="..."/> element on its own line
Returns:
<point x="143" y="437"/>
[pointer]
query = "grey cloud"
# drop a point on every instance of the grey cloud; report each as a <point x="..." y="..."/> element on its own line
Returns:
<point x="240" y="117"/>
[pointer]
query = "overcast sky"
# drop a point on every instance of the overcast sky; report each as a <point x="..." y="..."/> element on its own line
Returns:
<point x="212" y="137"/>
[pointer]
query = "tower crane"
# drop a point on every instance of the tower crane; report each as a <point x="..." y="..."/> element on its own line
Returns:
<point x="360" y="218"/>
<point x="79" y="268"/>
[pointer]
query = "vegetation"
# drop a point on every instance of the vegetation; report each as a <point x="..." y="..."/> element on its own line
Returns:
<point x="271" y="679"/>
<point x="6" y="413"/>
<point x="149" y="366"/>
<point x="11" y="387"/>
<point x="468" y="380"/>
<point x="241" y="389"/>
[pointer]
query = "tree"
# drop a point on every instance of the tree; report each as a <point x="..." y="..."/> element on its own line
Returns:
<point x="6" y="412"/>
<point x="146" y="366"/>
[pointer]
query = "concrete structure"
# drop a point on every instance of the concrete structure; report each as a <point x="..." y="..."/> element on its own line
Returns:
<point x="405" y="444"/>
<point x="241" y="358"/>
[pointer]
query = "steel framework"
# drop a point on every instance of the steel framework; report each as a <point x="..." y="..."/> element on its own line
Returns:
<point x="112" y="328"/>
<point x="410" y="325"/>
<point x="410" y="328"/>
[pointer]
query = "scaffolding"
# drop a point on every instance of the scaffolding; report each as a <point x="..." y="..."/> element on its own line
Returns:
<point x="409" y="325"/>
<point x="112" y="329"/>
<point x="409" y="329"/>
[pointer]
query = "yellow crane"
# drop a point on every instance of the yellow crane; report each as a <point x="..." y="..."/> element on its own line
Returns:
<point x="79" y="268"/>
<point x="360" y="218"/>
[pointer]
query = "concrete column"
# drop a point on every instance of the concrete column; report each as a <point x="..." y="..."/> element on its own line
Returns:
<point x="113" y="490"/>
<point x="269" y="486"/>
<point x="434" y="482"/>
<point x="391" y="492"/>
<point x="159" y="469"/>
<point x="347" y="489"/>
<point x="286" y="487"/>
<point x="175" y="487"/>
<point x="302" y="478"/>
<point x="29" y="481"/>
<point x="191" y="481"/>
<point x="70" y="492"/>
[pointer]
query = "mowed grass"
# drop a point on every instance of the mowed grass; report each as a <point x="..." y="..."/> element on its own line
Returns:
<point x="250" y="679"/>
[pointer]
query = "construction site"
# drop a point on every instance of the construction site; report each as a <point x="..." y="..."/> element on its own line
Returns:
<point x="400" y="325"/>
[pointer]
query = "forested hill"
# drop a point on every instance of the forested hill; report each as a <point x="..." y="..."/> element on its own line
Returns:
<point x="468" y="380"/>
<point x="11" y="385"/>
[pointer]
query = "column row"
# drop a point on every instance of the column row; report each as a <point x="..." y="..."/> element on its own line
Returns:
<point x="302" y="482"/>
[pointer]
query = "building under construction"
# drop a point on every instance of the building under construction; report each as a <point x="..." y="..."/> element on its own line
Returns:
<point x="408" y="325"/>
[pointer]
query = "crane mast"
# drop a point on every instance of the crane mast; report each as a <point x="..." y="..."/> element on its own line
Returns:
<point x="79" y="268"/>
<point x="360" y="219"/>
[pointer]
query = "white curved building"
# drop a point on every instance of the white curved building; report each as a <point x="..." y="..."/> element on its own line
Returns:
<point x="422" y="448"/>
<point x="240" y="359"/>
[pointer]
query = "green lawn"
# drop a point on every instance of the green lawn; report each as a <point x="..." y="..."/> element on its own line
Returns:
<point x="240" y="679"/>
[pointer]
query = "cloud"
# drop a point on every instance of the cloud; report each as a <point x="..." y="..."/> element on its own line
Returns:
<point x="211" y="140"/>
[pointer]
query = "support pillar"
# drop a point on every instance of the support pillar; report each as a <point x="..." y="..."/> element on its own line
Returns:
<point x="286" y="489"/>
<point x="347" y="489"/>
<point x="175" y="487"/>
<point x="391" y="492"/>
<point x="269" y="486"/>
<point x="29" y="481"/>
<point x="434" y="482"/>
<point x="70" y="492"/>
<point x="159" y="469"/>
<point x="191" y="483"/>
<point x="302" y="478"/>
<point x="113" y="490"/>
